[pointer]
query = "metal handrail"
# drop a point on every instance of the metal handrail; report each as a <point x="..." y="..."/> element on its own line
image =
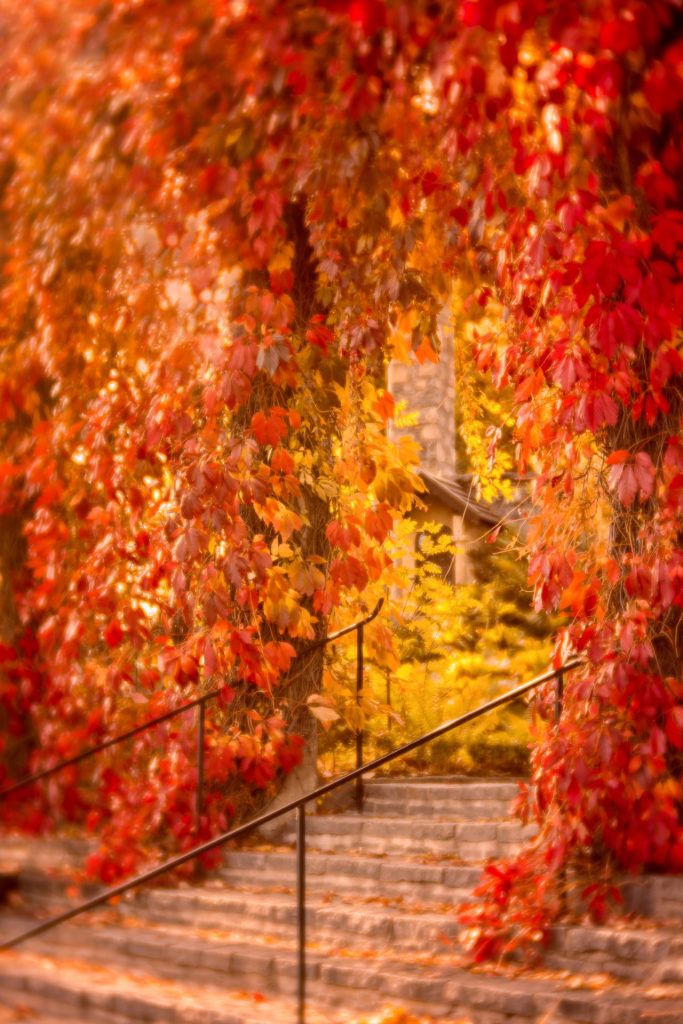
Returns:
<point x="199" y="702"/>
<point x="298" y="805"/>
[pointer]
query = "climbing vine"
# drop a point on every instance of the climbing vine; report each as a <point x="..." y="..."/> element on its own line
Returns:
<point x="219" y="218"/>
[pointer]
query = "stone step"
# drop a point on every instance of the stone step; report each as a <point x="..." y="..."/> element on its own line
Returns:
<point x="40" y="865"/>
<point x="656" y="896"/>
<point x="380" y="929"/>
<point x="391" y="904"/>
<point x="491" y="999"/>
<point x="406" y="927"/>
<point x="472" y="841"/>
<point x="58" y="853"/>
<point x="275" y="914"/>
<point x="364" y="982"/>
<point x="522" y="999"/>
<point x="25" y="1008"/>
<point x="434" y="809"/>
<point x="624" y="949"/>
<point x="422" y="879"/>
<point x="461" y="787"/>
<point x="210" y="956"/>
<point x="419" y="880"/>
<point x="239" y="961"/>
<point x="85" y="994"/>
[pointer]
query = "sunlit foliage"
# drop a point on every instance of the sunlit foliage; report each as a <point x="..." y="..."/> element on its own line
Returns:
<point x="218" y="219"/>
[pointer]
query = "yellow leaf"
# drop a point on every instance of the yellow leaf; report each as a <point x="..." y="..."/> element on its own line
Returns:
<point x="409" y="450"/>
<point x="281" y="259"/>
<point x="280" y="549"/>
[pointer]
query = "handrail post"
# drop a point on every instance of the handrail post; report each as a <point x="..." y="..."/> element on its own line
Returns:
<point x="301" y="912"/>
<point x="359" y="730"/>
<point x="559" y="696"/>
<point x="199" y="807"/>
<point x="199" y="796"/>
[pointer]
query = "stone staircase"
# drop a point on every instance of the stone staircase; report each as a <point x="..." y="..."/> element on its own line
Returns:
<point x="380" y="928"/>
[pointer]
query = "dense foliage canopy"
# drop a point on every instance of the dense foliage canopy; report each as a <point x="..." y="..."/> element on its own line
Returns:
<point x="219" y="217"/>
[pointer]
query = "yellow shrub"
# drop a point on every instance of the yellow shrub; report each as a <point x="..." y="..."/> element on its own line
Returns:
<point x="436" y="652"/>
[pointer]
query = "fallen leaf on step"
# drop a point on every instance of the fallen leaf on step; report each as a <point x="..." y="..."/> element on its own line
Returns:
<point x="664" y="992"/>
<point x="22" y="1012"/>
<point x="592" y="981"/>
<point x="254" y="997"/>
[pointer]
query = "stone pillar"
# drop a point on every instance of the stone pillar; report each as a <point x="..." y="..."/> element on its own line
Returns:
<point x="429" y="391"/>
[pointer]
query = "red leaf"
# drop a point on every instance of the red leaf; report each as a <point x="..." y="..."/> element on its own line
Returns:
<point x="595" y="410"/>
<point x="674" y="727"/>
<point x="625" y="483"/>
<point x="210" y="661"/>
<point x="569" y="368"/>
<point x="645" y="475"/>
<point x="282" y="461"/>
<point x="321" y="336"/>
<point x="269" y="430"/>
<point x="620" y="36"/>
<point x="113" y="634"/>
<point x="479" y="13"/>
<point x="370" y="15"/>
<point x="341" y="536"/>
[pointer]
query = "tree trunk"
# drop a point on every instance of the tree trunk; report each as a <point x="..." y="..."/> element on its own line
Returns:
<point x="15" y="723"/>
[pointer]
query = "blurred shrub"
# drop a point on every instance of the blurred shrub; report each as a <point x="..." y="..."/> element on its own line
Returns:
<point x="436" y="652"/>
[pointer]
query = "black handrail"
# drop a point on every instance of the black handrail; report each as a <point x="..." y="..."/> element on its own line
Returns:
<point x="297" y="805"/>
<point x="199" y="702"/>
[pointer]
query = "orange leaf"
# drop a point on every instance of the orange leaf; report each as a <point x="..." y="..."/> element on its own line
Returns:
<point x="529" y="386"/>
<point x="384" y="406"/>
<point x="616" y="458"/>
<point x="425" y="352"/>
